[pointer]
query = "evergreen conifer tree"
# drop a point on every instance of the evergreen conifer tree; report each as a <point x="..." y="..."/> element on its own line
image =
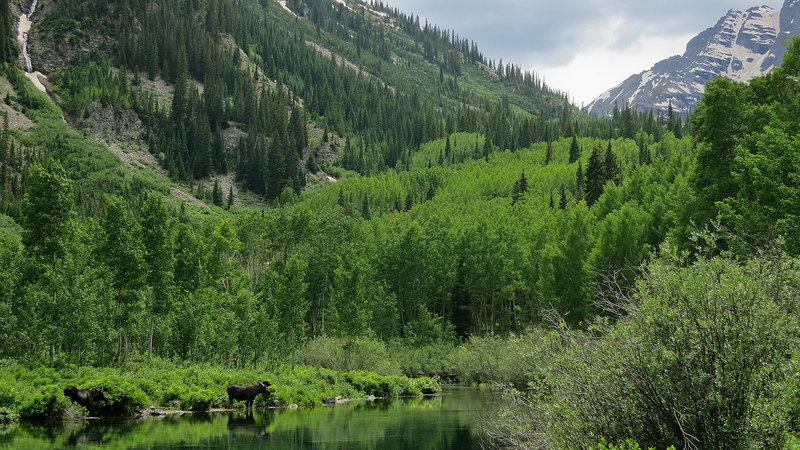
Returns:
<point x="595" y="177"/>
<point x="574" y="150"/>
<point x="611" y="166"/>
<point x="548" y="157"/>
<point x="562" y="202"/>
<point x="580" y="183"/>
<point x="216" y="194"/>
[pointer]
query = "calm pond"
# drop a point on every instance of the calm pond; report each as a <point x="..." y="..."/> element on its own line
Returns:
<point x="449" y="421"/>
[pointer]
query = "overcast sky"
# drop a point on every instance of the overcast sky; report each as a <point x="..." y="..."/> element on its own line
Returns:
<point x="583" y="47"/>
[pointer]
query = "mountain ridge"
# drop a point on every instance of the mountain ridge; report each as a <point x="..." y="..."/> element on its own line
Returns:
<point x="740" y="46"/>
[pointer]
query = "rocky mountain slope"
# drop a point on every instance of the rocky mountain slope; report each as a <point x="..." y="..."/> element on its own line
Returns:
<point x="742" y="45"/>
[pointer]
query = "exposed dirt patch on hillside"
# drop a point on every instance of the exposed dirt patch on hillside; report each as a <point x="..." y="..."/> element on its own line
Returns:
<point x="122" y="130"/>
<point x="239" y="197"/>
<point x="162" y="90"/>
<point x="184" y="196"/>
<point x="15" y="118"/>
<point x="327" y="152"/>
<point x="231" y="136"/>
<point x="109" y="123"/>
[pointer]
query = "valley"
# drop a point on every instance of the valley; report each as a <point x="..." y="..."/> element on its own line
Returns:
<point x="348" y="201"/>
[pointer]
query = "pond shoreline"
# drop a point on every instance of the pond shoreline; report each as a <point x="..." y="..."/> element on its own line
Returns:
<point x="156" y="412"/>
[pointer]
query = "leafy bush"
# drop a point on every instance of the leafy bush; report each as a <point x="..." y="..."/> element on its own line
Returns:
<point x="626" y="445"/>
<point x="8" y="395"/>
<point x="7" y="415"/>
<point x="123" y="397"/>
<point x="493" y="359"/>
<point x="428" y="386"/>
<point x="366" y="354"/>
<point x="47" y="403"/>
<point x="198" y="400"/>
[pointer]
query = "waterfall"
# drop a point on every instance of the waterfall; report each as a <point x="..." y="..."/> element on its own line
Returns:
<point x="28" y="65"/>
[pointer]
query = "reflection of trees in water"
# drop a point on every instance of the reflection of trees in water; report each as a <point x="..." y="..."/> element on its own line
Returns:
<point x="419" y="423"/>
<point x="128" y="433"/>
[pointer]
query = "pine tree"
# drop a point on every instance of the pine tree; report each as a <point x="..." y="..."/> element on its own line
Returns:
<point x="366" y="211"/>
<point x="612" y="169"/>
<point x="644" y="151"/>
<point x="595" y="177"/>
<point x="179" y="100"/>
<point x="218" y="152"/>
<point x="276" y="164"/>
<point x="230" y="198"/>
<point x="562" y="202"/>
<point x="574" y="150"/>
<point x="520" y="188"/>
<point x="580" y="183"/>
<point x="216" y="193"/>
<point x="551" y="200"/>
<point x="202" y="148"/>
<point x="548" y="157"/>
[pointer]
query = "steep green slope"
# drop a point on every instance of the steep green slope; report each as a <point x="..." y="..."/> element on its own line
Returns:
<point x="350" y="71"/>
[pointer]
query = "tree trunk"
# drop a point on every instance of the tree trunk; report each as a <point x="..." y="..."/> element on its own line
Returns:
<point x="150" y="345"/>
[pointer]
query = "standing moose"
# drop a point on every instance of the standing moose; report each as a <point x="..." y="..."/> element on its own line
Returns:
<point x="248" y="393"/>
<point x="85" y="397"/>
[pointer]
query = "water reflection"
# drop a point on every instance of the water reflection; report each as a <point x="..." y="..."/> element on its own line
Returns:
<point x="445" y="422"/>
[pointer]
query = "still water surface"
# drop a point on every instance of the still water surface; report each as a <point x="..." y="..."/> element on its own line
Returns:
<point x="449" y="421"/>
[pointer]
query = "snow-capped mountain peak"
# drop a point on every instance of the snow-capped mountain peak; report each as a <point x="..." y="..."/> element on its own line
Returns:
<point x="741" y="46"/>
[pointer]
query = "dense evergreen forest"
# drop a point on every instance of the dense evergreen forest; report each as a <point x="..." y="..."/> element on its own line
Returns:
<point x="478" y="228"/>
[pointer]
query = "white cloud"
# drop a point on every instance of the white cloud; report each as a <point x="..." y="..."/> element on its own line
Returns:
<point x="599" y="65"/>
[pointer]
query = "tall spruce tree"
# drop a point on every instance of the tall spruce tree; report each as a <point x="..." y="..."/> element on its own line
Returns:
<point x="562" y="198"/>
<point x="520" y="188"/>
<point x="595" y="177"/>
<point x="611" y="166"/>
<point x="216" y="193"/>
<point x="574" y="150"/>
<point x="580" y="183"/>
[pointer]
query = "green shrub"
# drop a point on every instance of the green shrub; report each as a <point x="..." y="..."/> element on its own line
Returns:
<point x="7" y="415"/>
<point x="626" y="445"/>
<point x="428" y="386"/>
<point x="198" y="400"/>
<point x="8" y="395"/>
<point x="47" y="403"/>
<point x="123" y="397"/>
